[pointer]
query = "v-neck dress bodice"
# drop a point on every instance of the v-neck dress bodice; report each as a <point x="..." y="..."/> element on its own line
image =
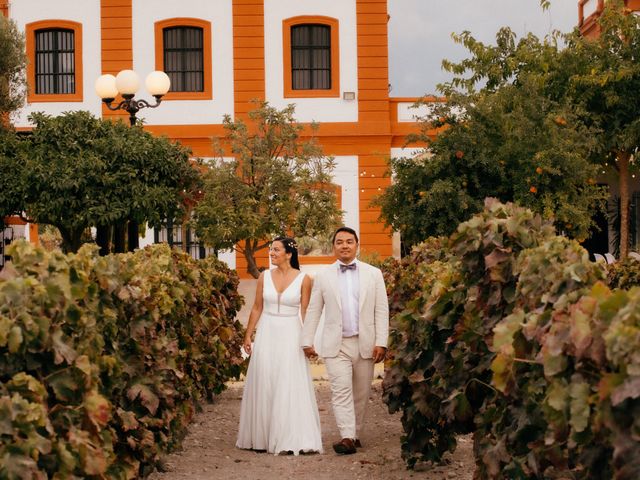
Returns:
<point x="285" y="304"/>
<point x="279" y="412"/>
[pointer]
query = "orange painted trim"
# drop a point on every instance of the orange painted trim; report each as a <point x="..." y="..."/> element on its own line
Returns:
<point x="116" y="39"/>
<point x="30" y="32"/>
<point x="14" y="221"/>
<point x="207" y="93"/>
<point x="34" y="237"/>
<point x="4" y="7"/>
<point x="333" y="25"/>
<point x="248" y="55"/>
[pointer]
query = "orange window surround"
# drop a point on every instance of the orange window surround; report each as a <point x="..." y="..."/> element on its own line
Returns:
<point x="333" y="24"/>
<point x="30" y="32"/>
<point x="207" y="92"/>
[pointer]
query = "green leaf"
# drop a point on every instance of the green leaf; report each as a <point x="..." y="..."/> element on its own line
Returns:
<point x="558" y="395"/>
<point x="579" y="391"/>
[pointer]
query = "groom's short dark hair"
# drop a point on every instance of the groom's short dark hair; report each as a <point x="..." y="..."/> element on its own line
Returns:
<point x="344" y="229"/>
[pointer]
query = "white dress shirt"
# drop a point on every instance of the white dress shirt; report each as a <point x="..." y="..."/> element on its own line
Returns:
<point x="349" y="285"/>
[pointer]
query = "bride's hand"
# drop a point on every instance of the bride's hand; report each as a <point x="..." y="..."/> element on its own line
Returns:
<point x="247" y="345"/>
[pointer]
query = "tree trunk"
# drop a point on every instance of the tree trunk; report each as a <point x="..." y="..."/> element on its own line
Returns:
<point x="623" y="169"/>
<point x="249" y="254"/>
<point x="103" y="239"/>
<point x="133" y="238"/>
<point x="71" y="239"/>
<point x="119" y="237"/>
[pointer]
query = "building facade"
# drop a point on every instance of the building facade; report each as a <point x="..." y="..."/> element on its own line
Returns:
<point x="329" y="58"/>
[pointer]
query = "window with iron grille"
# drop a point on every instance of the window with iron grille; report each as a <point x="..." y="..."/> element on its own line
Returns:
<point x="311" y="57"/>
<point x="183" y="52"/>
<point x="55" y="61"/>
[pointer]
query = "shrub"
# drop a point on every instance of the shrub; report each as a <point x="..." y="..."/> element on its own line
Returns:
<point x="104" y="359"/>
<point x="515" y="337"/>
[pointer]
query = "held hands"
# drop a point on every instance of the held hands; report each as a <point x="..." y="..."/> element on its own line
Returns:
<point x="379" y="354"/>
<point x="309" y="352"/>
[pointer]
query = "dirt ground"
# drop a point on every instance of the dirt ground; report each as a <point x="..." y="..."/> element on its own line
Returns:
<point x="209" y="449"/>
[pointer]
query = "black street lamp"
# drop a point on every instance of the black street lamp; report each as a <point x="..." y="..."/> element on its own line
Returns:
<point x="126" y="83"/>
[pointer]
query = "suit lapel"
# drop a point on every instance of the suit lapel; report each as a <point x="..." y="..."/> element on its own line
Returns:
<point x="363" y="281"/>
<point x="334" y="282"/>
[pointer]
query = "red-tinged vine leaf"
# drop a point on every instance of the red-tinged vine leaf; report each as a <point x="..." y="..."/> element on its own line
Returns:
<point x="127" y="419"/>
<point x="225" y="334"/>
<point x="580" y="321"/>
<point x="579" y="391"/>
<point x="494" y="457"/>
<point x="608" y="383"/>
<point x="83" y="363"/>
<point x="149" y="399"/>
<point x="629" y="389"/>
<point x="98" y="408"/>
<point x="62" y="351"/>
<point x="92" y="457"/>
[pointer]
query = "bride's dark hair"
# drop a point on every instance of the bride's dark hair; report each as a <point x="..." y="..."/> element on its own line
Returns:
<point x="290" y="246"/>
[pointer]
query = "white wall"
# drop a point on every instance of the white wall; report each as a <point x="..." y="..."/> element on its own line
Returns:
<point x="313" y="109"/>
<point x="187" y="112"/>
<point x="86" y="12"/>
<point x="346" y="175"/>
<point x="405" y="152"/>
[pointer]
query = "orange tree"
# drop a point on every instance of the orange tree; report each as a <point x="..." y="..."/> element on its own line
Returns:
<point x="598" y="79"/>
<point x="78" y="171"/>
<point x="275" y="184"/>
<point x="510" y="142"/>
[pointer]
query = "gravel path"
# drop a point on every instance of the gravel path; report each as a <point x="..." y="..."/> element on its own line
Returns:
<point x="209" y="451"/>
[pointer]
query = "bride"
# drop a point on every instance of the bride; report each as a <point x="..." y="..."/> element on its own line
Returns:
<point x="279" y="413"/>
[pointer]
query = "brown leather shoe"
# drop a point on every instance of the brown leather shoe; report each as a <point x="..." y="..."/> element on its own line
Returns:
<point x="357" y="443"/>
<point x="344" y="447"/>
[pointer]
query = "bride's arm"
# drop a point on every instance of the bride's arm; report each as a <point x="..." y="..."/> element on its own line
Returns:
<point x="307" y="284"/>
<point x="254" y="316"/>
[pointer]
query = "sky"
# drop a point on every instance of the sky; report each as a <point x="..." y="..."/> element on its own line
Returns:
<point x="420" y="34"/>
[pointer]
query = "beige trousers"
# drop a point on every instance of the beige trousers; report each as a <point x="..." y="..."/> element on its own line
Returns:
<point x="350" y="377"/>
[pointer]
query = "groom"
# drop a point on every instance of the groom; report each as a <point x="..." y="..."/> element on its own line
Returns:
<point x="356" y="327"/>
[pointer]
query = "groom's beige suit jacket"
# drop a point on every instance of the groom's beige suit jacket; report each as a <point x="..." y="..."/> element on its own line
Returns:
<point x="373" y="323"/>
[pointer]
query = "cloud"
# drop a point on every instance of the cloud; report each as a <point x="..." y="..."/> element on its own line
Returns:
<point x="420" y="33"/>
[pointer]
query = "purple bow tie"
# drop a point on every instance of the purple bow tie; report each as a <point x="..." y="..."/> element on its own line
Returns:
<point x="344" y="268"/>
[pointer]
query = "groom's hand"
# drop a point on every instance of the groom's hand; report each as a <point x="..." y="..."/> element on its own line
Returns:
<point x="309" y="352"/>
<point x="378" y="354"/>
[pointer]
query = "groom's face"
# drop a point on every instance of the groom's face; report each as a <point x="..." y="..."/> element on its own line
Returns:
<point x="345" y="247"/>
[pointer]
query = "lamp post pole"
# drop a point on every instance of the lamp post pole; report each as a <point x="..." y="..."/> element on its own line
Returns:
<point x="126" y="84"/>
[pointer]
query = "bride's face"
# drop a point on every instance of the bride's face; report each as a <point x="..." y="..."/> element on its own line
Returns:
<point x="278" y="254"/>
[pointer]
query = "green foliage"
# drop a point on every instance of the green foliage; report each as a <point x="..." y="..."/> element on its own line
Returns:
<point x="103" y="360"/>
<point x="624" y="274"/>
<point x="13" y="61"/>
<point x="276" y="184"/>
<point x="598" y="79"/>
<point x="512" y="335"/>
<point x="513" y="144"/>
<point x="82" y="172"/>
<point x="13" y="182"/>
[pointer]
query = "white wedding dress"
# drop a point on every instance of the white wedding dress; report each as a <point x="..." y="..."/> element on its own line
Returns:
<point x="279" y="412"/>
